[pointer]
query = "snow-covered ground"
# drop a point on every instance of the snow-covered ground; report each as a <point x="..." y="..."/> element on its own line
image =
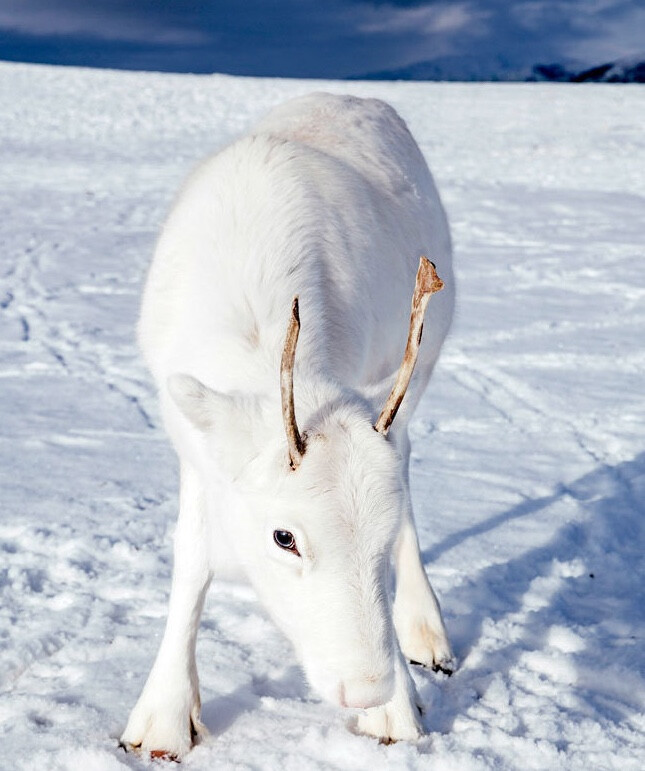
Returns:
<point x="529" y="455"/>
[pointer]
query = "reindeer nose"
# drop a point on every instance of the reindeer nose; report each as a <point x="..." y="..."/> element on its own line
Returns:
<point x="366" y="692"/>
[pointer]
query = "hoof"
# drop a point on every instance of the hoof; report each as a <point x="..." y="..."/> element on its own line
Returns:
<point x="447" y="666"/>
<point x="390" y="725"/>
<point x="164" y="755"/>
<point x="154" y="754"/>
<point x="426" y="646"/>
<point x="164" y="729"/>
<point x="400" y="718"/>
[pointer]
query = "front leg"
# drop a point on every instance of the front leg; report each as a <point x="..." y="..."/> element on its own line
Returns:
<point x="165" y="720"/>
<point x="399" y="718"/>
<point x="416" y="612"/>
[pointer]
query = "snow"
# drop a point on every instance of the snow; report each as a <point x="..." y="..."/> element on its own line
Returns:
<point x="528" y="468"/>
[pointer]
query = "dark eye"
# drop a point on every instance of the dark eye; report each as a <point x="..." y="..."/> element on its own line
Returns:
<point x="285" y="540"/>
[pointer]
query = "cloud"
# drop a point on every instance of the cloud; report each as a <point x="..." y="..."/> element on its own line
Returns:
<point x="101" y="20"/>
<point x="432" y="19"/>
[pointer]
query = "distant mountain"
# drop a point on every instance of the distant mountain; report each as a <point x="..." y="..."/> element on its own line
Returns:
<point x="629" y="70"/>
<point x="474" y="68"/>
<point x="454" y="68"/>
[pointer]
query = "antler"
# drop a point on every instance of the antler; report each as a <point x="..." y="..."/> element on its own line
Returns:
<point x="426" y="285"/>
<point x="294" y="440"/>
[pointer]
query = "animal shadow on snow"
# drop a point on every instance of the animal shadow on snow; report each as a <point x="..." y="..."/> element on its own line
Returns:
<point x="596" y="558"/>
<point x="219" y="713"/>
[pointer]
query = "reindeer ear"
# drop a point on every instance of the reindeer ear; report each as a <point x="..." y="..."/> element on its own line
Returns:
<point x="229" y="423"/>
<point x="204" y="407"/>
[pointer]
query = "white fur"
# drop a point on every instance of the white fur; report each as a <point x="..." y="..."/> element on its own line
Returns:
<point x="329" y="199"/>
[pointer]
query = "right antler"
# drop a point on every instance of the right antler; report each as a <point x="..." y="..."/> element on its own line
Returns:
<point x="428" y="282"/>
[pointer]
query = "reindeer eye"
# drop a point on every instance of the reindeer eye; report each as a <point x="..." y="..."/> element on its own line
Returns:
<point x="285" y="540"/>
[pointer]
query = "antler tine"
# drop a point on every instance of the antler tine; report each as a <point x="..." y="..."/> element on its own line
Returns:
<point x="294" y="439"/>
<point x="427" y="283"/>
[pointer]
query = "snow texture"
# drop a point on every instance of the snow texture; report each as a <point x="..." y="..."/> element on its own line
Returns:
<point x="528" y="466"/>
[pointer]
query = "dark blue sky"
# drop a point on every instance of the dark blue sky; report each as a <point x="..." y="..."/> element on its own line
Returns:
<point x="320" y="38"/>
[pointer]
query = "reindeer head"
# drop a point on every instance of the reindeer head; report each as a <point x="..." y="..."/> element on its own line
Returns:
<point x="314" y="527"/>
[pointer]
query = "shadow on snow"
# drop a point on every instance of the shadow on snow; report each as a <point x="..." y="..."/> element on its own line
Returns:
<point x="587" y="579"/>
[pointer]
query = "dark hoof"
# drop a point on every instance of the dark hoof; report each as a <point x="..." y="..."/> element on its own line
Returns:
<point x="444" y="667"/>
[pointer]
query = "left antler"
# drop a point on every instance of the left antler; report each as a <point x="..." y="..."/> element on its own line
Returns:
<point x="294" y="440"/>
<point x="426" y="285"/>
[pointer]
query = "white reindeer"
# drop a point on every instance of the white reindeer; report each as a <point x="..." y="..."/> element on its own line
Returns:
<point x="329" y="200"/>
